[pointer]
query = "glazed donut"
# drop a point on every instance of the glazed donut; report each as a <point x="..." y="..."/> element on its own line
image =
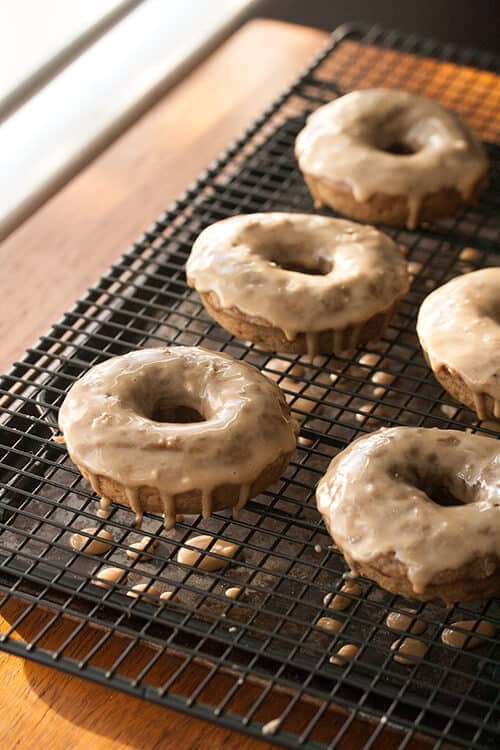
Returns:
<point x="391" y="157"/>
<point x="459" y="330"/>
<point x="418" y="511"/>
<point x="177" y="430"/>
<point x="298" y="282"/>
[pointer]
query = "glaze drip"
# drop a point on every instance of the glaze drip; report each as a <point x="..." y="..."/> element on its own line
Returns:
<point x="206" y="503"/>
<point x="169" y="509"/>
<point x="104" y="502"/>
<point x="464" y="633"/>
<point x="242" y="500"/>
<point x="132" y="495"/>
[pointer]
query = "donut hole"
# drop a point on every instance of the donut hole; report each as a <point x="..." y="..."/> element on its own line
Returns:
<point x="440" y="487"/>
<point x="165" y="411"/>
<point x="322" y="269"/>
<point x="290" y="248"/>
<point x="400" y="148"/>
<point x="299" y="259"/>
<point x="442" y="495"/>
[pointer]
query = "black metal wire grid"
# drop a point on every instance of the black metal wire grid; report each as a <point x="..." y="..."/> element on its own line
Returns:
<point x="203" y="653"/>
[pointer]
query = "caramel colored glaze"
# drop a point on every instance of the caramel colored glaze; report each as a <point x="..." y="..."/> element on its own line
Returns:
<point x="147" y="591"/>
<point x="271" y="726"/>
<point x="344" y="654"/>
<point x="459" y="330"/>
<point x="458" y="639"/>
<point x="276" y="368"/>
<point x="405" y="623"/>
<point x="305" y="442"/>
<point x="369" y="359"/>
<point x="106" y="577"/>
<point x="168" y="596"/>
<point x="146" y="544"/>
<point x="414" y="267"/>
<point x="408" y="650"/>
<point x="377" y="499"/>
<point x="99" y="545"/>
<point x="365" y="411"/>
<point x="115" y="423"/>
<point x="339" y="602"/>
<point x="234" y="592"/>
<point x="105" y="503"/>
<point x="207" y="562"/>
<point x="470" y="254"/>
<point x="329" y="623"/>
<point x="382" y="378"/>
<point x="347" y="143"/>
<point x="448" y="411"/>
<point x="251" y="264"/>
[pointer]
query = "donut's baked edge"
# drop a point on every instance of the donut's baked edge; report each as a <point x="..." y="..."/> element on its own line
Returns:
<point x="271" y="338"/>
<point x="223" y="496"/>
<point x="455" y="385"/>
<point x="392" y="210"/>
<point x="476" y="580"/>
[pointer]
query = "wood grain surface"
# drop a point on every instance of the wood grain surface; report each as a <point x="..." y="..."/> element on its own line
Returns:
<point x="42" y="707"/>
<point x="67" y="244"/>
<point x="45" y="708"/>
<point x="46" y="264"/>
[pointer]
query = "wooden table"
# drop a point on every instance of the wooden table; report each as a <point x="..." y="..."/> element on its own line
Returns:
<point x="47" y="263"/>
<point x="51" y="259"/>
<point x="67" y="244"/>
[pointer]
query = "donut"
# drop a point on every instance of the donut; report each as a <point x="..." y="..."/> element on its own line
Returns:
<point x="418" y="510"/>
<point x="177" y="430"/>
<point x="391" y="157"/>
<point x="459" y="330"/>
<point x="298" y="283"/>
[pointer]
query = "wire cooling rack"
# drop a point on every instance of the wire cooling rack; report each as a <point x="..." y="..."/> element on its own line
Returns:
<point x="260" y="658"/>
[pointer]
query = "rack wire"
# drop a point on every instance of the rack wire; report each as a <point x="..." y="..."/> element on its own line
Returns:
<point x="245" y="662"/>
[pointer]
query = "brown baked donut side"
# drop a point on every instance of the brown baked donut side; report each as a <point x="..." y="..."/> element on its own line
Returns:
<point x="271" y="338"/>
<point x="223" y="496"/>
<point x="480" y="402"/>
<point x="479" y="579"/>
<point x="392" y="210"/>
<point x="377" y="502"/>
